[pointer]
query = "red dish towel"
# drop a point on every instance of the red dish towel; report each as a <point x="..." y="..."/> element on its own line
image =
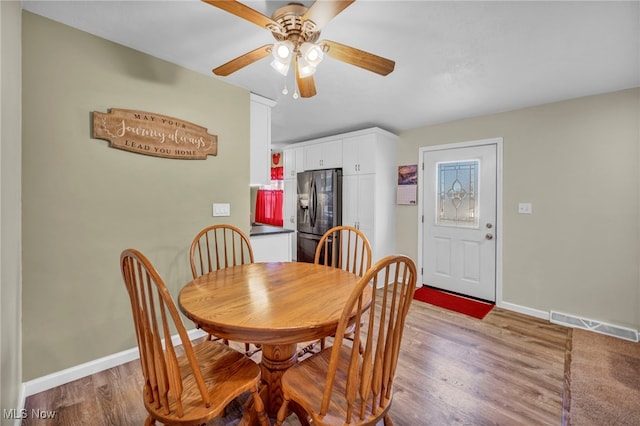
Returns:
<point x="277" y="173"/>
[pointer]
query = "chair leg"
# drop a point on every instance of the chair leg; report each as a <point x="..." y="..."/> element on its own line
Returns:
<point x="282" y="412"/>
<point x="149" y="421"/>
<point x="248" y="352"/>
<point x="214" y="338"/>
<point x="258" y="405"/>
<point x="387" y="420"/>
<point x="307" y="349"/>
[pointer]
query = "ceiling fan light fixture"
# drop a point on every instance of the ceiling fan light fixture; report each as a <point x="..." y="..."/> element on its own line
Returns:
<point x="282" y="51"/>
<point x="305" y="69"/>
<point x="312" y="53"/>
<point x="281" y="67"/>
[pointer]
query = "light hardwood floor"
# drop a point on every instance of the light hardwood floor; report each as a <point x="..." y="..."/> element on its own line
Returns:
<point x="454" y="370"/>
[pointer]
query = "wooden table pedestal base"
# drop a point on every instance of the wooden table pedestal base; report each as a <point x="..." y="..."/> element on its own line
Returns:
<point x="276" y="359"/>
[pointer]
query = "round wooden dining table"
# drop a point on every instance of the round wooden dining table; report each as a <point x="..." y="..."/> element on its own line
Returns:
<point x="276" y="305"/>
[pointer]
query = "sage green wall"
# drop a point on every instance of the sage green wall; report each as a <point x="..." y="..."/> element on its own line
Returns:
<point x="578" y="163"/>
<point x="10" y="330"/>
<point x="84" y="202"/>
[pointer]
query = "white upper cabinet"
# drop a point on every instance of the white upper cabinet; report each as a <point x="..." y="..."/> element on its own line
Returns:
<point x="323" y="155"/>
<point x="293" y="162"/>
<point x="359" y="154"/>
<point x="260" y="136"/>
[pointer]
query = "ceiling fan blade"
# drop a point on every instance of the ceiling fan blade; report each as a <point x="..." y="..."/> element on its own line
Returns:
<point x="245" y="12"/>
<point x="306" y="85"/>
<point x="322" y="11"/>
<point x="242" y="61"/>
<point x="359" y="58"/>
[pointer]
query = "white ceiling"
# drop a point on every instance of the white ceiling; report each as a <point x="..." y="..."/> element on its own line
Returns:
<point x="453" y="59"/>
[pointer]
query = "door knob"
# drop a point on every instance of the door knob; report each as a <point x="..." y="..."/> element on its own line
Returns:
<point x="489" y="236"/>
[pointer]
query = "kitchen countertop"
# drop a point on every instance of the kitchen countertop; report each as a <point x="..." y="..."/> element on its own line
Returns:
<point x="258" y="229"/>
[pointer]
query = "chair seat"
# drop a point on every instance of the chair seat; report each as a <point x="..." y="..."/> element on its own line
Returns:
<point x="227" y="374"/>
<point x="314" y="370"/>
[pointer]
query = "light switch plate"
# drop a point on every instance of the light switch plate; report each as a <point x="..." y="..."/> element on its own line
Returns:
<point x="525" y="208"/>
<point x="221" y="209"/>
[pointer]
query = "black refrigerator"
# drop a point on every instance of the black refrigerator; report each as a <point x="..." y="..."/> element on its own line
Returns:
<point x="319" y="208"/>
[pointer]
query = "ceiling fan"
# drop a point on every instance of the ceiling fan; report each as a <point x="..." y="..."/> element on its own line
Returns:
<point x="297" y="29"/>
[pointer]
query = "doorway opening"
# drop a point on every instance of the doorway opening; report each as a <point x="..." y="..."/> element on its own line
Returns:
<point x="460" y="218"/>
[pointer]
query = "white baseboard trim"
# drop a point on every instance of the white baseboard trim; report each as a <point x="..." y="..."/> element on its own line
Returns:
<point x="59" y="378"/>
<point x="524" y="310"/>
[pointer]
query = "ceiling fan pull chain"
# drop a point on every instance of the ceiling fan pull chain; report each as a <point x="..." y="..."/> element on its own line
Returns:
<point x="296" y="95"/>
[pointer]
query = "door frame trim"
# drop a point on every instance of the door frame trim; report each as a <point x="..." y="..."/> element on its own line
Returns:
<point x="498" y="142"/>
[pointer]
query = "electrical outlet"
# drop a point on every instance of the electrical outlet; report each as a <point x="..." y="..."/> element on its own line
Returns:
<point x="221" y="209"/>
<point x="525" y="208"/>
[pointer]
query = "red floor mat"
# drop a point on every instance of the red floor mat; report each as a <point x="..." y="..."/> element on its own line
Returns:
<point x="453" y="302"/>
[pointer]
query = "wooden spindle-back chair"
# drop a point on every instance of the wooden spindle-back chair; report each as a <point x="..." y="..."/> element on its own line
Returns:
<point x="344" y="247"/>
<point x="216" y="247"/>
<point x="341" y="384"/>
<point x="188" y="389"/>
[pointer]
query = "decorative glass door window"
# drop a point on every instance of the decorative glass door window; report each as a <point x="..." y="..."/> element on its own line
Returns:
<point x="457" y="203"/>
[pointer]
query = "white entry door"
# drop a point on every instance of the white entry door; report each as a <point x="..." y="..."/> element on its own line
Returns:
<point x="459" y="205"/>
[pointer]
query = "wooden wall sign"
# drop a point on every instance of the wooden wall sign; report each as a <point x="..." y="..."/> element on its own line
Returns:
<point x="154" y="134"/>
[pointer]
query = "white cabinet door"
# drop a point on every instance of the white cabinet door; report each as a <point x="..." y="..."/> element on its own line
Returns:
<point x="293" y="162"/>
<point x="350" y="156"/>
<point x="271" y="248"/>
<point x="358" y="203"/>
<point x="366" y="203"/>
<point x="313" y="157"/>
<point x="289" y="163"/>
<point x="289" y="204"/>
<point x="350" y="200"/>
<point x="323" y="155"/>
<point x="332" y="154"/>
<point x="289" y="213"/>
<point x="359" y="154"/>
<point x="260" y="137"/>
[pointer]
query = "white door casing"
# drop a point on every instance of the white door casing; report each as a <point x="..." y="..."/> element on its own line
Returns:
<point x="460" y="224"/>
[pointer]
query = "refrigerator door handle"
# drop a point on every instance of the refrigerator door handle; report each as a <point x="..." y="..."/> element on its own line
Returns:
<point x="313" y="203"/>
